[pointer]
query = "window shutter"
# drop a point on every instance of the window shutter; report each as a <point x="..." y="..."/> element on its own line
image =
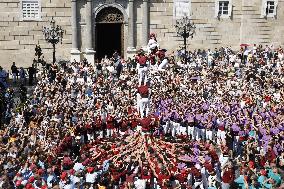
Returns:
<point x="275" y="8"/>
<point x="230" y="8"/>
<point x="216" y="8"/>
<point x="263" y="9"/>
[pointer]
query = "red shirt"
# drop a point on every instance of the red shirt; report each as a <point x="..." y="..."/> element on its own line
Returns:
<point x="152" y="59"/>
<point x="142" y="60"/>
<point x="221" y="128"/>
<point x="163" y="177"/>
<point x="145" y="123"/>
<point x="110" y="122"/>
<point x="161" y="54"/>
<point x="271" y="155"/>
<point x="214" y="155"/>
<point x="67" y="161"/>
<point x="124" y="126"/>
<point x="134" y="123"/>
<point x="228" y="176"/>
<point x="143" y="90"/>
<point x="146" y="177"/>
<point x="267" y="98"/>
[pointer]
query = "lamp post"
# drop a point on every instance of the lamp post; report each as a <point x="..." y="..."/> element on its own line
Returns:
<point x="53" y="35"/>
<point x="185" y="28"/>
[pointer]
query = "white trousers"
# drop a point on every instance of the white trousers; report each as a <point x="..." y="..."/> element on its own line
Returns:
<point x="142" y="73"/>
<point x="90" y="136"/>
<point x="138" y="128"/>
<point x="101" y="133"/>
<point x="209" y="135"/>
<point x="182" y="130"/>
<point x="191" y="131"/>
<point x="202" y="134"/>
<point x="197" y="133"/>
<point x="109" y="132"/>
<point x="198" y="185"/>
<point x="167" y="127"/>
<point x="221" y="136"/>
<point x="144" y="105"/>
<point x="122" y="133"/>
<point x="175" y="128"/>
<point x="163" y="64"/>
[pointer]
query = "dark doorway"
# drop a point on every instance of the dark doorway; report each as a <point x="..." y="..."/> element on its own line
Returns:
<point x="108" y="39"/>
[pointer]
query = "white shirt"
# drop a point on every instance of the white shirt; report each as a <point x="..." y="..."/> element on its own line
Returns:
<point x="277" y="96"/>
<point x="223" y="160"/>
<point x="74" y="179"/>
<point x="91" y="177"/>
<point x="237" y="65"/>
<point x="152" y="43"/>
<point x="140" y="184"/>
<point x="48" y="180"/>
<point x="78" y="166"/>
<point x="212" y="180"/>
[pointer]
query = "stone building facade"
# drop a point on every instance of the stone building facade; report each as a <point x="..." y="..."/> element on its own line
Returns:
<point x="95" y="27"/>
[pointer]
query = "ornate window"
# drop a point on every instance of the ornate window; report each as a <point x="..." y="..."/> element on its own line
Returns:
<point x="30" y="9"/>
<point x="110" y="15"/>
<point x="269" y="8"/>
<point x="223" y="8"/>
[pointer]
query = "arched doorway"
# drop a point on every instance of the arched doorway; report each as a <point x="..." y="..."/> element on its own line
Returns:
<point x="109" y="32"/>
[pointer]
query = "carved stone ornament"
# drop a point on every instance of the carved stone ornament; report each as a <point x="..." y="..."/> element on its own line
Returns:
<point x="109" y="15"/>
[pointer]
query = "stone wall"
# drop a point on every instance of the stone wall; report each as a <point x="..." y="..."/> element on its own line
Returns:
<point x="245" y="25"/>
<point x="18" y="38"/>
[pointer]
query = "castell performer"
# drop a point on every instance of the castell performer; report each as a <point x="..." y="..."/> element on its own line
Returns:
<point x="143" y="100"/>
<point x="142" y="67"/>
<point x="162" y="59"/>
<point x="153" y="44"/>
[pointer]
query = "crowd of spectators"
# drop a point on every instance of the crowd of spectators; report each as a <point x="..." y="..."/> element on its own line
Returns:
<point x="213" y="121"/>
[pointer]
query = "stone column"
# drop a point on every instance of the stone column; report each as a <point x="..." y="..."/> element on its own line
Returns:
<point x="131" y="49"/>
<point x="145" y="24"/>
<point x="75" y="53"/>
<point x="90" y="53"/>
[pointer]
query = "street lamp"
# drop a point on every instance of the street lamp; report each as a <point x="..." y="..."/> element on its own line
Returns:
<point x="53" y="35"/>
<point x="185" y="28"/>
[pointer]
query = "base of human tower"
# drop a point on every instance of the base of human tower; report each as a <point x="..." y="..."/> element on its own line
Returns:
<point x="159" y="155"/>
